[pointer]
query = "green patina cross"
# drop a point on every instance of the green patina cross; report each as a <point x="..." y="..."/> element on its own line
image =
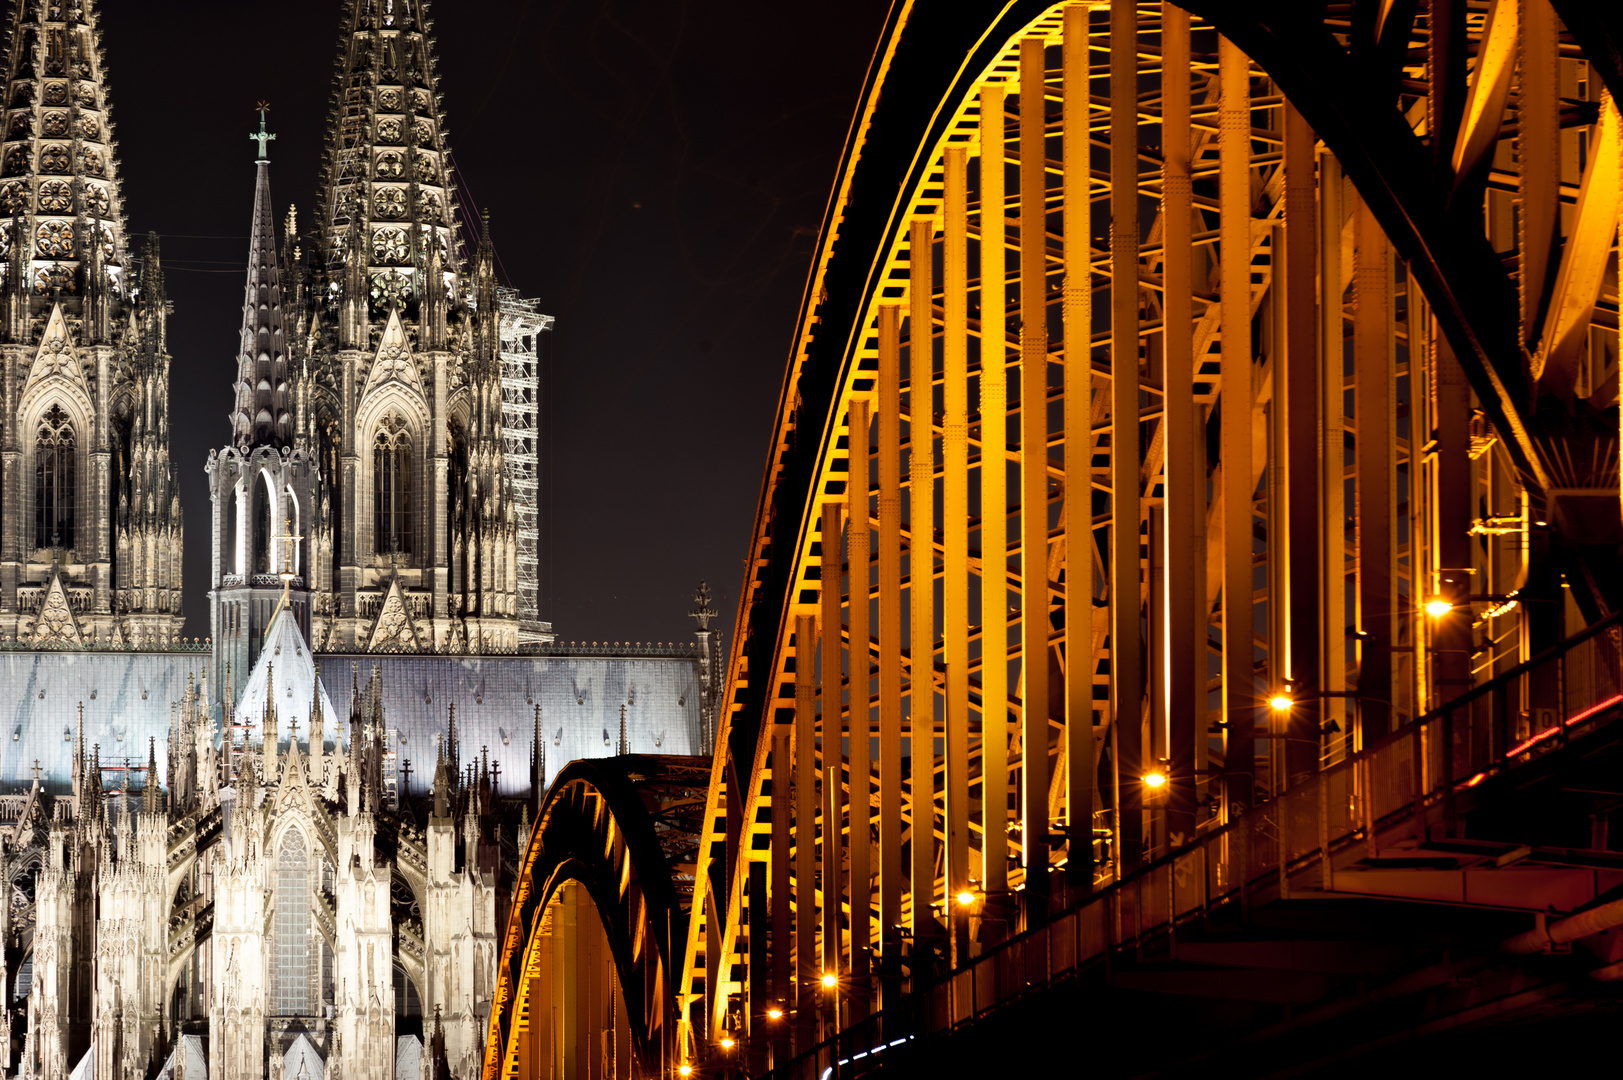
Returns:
<point x="262" y="136"/>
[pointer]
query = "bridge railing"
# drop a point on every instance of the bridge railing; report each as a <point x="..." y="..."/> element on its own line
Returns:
<point x="1412" y="779"/>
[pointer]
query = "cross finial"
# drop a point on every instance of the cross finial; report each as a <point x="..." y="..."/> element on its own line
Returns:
<point x="703" y="613"/>
<point x="262" y="137"/>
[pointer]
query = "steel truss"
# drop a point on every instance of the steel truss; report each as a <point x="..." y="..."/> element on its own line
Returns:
<point x="1371" y="364"/>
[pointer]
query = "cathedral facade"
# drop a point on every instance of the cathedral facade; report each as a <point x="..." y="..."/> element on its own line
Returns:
<point x="286" y="853"/>
<point x="367" y="465"/>
<point x="90" y="530"/>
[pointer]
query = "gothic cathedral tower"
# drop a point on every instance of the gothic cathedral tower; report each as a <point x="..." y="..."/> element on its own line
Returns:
<point x="90" y="526"/>
<point x="264" y="487"/>
<point x="398" y="381"/>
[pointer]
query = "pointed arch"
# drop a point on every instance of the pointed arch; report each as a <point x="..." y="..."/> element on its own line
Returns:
<point x="402" y="418"/>
<point x="56" y="479"/>
<point x="262" y="522"/>
<point x="392" y="502"/>
<point x="292" y="925"/>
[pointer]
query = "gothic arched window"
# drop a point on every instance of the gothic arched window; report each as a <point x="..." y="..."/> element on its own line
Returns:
<point x="292" y="927"/>
<point x="391" y="491"/>
<point x="262" y="527"/>
<point x="54" y="460"/>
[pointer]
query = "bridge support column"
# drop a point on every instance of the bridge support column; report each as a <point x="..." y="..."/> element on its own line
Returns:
<point x="1185" y="618"/>
<point x="804" y="756"/>
<point x="997" y="910"/>
<point x="1376" y="403"/>
<point x="921" y="591"/>
<point x="1126" y="649"/>
<point x="1238" y="484"/>
<point x="1034" y="617"/>
<point x="1451" y="496"/>
<point x="1080" y="657"/>
<point x="783" y="997"/>
<point x="859" y="718"/>
<point x="1297" y="524"/>
<point x="761" y="1027"/>
<point x="830" y="735"/>
<point x="955" y="541"/>
<point x="890" y="653"/>
<point x="565" y="998"/>
<point x="1332" y="461"/>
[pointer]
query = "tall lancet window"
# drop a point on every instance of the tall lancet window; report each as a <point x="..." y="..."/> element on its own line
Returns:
<point x="262" y="527"/>
<point x="292" y="927"/>
<point x="391" y="490"/>
<point x="54" y="454"/>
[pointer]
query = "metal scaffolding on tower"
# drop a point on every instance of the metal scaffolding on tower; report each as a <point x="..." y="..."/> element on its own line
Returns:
<point x="521" y="327"/>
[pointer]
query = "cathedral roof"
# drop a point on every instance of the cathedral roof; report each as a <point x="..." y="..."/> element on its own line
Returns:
<point x="386" y="195"/>
<point x="495" y="699"/>
<point x="286" y="668"/>
<point x="302" y="1061"/>
<point x="262" y="416"/>
<point x="58" y="171"/>
<point x="126" y="696"/>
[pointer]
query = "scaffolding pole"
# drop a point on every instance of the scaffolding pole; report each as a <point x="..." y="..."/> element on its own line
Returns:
<point x="519" y="337"/>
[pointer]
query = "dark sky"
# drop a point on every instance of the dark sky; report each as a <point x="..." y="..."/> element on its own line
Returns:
<point x="656" y="174"/>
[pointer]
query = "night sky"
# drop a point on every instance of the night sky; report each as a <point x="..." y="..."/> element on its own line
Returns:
<point x="656" y="174"/>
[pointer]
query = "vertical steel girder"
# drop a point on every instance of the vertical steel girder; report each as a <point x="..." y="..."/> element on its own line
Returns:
<point x="859" y="803"/>
<point x="1234" y="424"/>
<point x="994" y="477"/>
<point x="1231" y="358"/>
<point x="1080" y="660"/>
<point x="1126" y="601"/>
<point x="1033" y="456"/>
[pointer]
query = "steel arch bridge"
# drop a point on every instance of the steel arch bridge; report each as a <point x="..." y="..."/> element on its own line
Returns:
<point x="584" y="981"/>
<point x="1346" y="501"/>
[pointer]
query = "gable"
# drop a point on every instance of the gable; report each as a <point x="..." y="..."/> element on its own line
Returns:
<point x="57" y="361"/>
<point x="56" y="625"/>
<point x="394" y="630"/>
<point x="393" y="362"/>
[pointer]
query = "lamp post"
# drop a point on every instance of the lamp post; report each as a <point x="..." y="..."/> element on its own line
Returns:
<point x="830" y="982"/>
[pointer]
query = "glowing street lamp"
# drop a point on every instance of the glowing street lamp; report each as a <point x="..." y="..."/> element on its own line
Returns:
<point x="830" y="980"/>
<point x="1156" y="779"/>
<point x="684" y="1069"/>
<point x="774" y="1013"/>
<point x="1280" y="703"/>
<point x="1437" y="607"/>
<point x="966" y="899"/>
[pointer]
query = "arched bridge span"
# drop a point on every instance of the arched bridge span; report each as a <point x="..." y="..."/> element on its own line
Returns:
<point x="1159" y="361"/>
<point x="584" y="979"/>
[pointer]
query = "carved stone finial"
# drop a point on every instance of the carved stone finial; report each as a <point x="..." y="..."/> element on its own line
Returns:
<point x="704" y="612"/>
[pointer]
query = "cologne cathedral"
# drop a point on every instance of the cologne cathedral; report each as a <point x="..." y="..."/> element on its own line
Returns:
<point x="285" y="853"/>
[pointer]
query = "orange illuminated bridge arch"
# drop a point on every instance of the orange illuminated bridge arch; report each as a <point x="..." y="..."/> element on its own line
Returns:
<point x="584" y="985"/>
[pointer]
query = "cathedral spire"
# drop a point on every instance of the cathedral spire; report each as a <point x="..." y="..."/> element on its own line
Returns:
<point x="268" y="729"/>
<point x="151" y="797"/>
<point x="61" y="174"/>
<point x="538" y="758"/>
<point x="385" y="186"/>
<point x="318" y="725"/>
<point x="263" y="416"/>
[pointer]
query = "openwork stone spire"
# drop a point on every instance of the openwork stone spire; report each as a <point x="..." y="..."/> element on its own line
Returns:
<point x="262" y="416"/>
<point x="57" y="168"/>
<point x="385" y="191"/>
